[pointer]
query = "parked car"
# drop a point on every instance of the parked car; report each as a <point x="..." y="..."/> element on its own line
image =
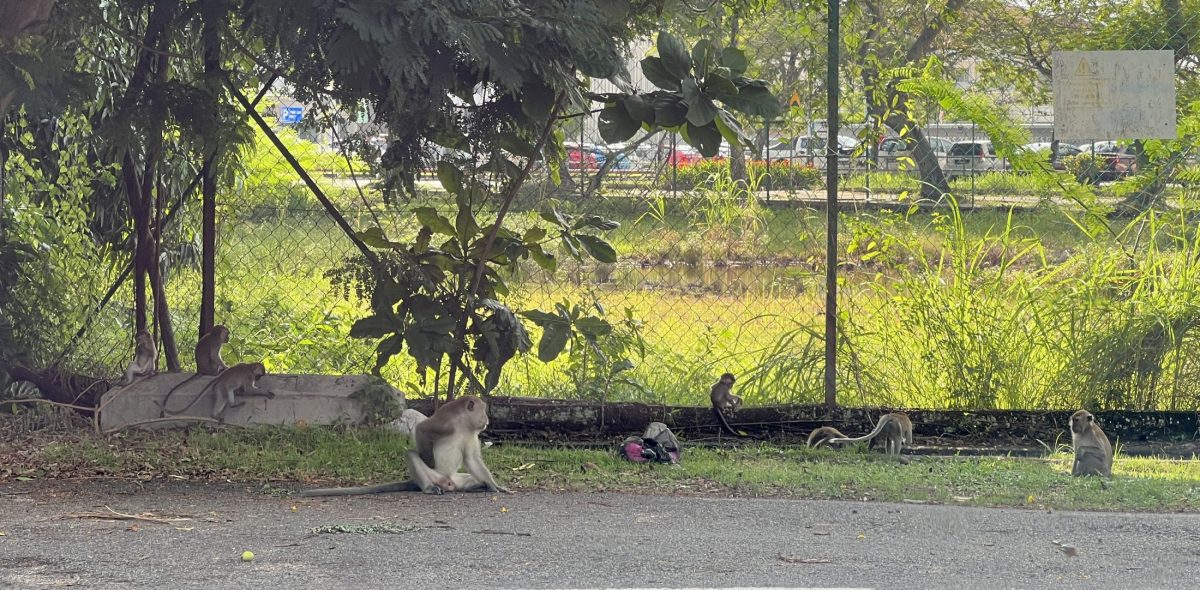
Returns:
<point x="968" y="158"/>
<point x="581" y="157"/>
<point x="810" y="150"/>
<point x="1115" y="161"/>
<point x="683" y="155"/>
<point x="1043" y="148"/>
<point x="895" y="153"/>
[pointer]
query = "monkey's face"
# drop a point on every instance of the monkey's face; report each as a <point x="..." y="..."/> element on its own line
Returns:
<point x="223" y="334"/>
<point x="1082" y="422"/>
<point x="259" y="370"/>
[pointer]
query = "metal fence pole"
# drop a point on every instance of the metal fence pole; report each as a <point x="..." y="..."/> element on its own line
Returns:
<point x="831" y="208"/>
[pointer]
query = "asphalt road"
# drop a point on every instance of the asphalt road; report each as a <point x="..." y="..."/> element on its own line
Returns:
<point x="568" y="540"/>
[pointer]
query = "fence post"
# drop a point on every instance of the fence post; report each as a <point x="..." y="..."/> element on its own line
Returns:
<point x="831" y="207"/>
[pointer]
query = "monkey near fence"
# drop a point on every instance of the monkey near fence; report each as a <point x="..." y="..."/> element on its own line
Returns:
<point x="1093" y="452"/>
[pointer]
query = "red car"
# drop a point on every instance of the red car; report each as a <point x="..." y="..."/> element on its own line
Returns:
<point x="581" y="159"/>
<point x="683" y="156"/>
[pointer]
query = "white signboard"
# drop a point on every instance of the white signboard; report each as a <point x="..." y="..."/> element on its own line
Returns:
<point x="1114" y="95"/>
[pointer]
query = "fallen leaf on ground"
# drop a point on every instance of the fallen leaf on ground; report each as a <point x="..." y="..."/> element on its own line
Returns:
<point x="794" y="559"/>
<point x="524" y="467"/>
<point x="1067" y="550"/>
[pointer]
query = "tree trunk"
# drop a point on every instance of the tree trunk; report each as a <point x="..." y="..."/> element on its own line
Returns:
<point x="210" y="36"/>
<point x="17" y="17"/>
<point x="933" y="179"/>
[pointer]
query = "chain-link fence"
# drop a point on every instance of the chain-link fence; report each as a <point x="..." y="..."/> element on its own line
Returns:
<point x="1064" y="276"/>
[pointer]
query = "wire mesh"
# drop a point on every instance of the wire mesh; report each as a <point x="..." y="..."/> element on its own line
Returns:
<point x="1064" y="275"/>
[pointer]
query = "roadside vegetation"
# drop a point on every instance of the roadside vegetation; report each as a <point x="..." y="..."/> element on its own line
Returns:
<point x="281" y="460"/>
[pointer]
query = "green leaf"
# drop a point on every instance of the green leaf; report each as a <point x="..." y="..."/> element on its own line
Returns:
<point x="616" y="125"/>
<point x="755" y="101"/>
<point x="593" y="327"/>
<point x="450" y="176"/>
<point x="372" y="327"/>
<point x="720" y="87"/>
<point x="622" y="366"/>
<point x="543" y="259"/>
<point x="543" y="318"/>
<point x="554" y="216"/>
<point x="669" y="111"/>
<point x="657" y="74"/>
<point x="674" y="55"/>
<point x="573" y="246"/>
<point x="734" y="59"/>
<point x="387" y="348"/>
<point x="429" y="217"/>
<point x="533" y="235"/>
<point x="731" y="131"/>
<point x="706" y="139"/>
<point x="597" y="248"/>
<point x="536" y="100"/>
<point x="702" y="55"/>
<point x="597" y="222"/>
<point x="701" y="110"/>
<point x="517" y="146"/>
<point x="465" y="225"/>
<point x="554" y="340"/>
<point x="373" y="236"/>
<point x="639" y="108"/>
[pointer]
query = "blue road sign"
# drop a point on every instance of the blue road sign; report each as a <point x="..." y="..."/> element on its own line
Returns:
<point x="291" y="115"/>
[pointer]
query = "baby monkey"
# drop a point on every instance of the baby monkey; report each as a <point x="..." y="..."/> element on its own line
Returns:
<point x="145" y="356"/>
<point x="724" y="400"/>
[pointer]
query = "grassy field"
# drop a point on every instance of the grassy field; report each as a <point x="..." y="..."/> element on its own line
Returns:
<point x="292" y="458"/>
<point x="991" y="309"/>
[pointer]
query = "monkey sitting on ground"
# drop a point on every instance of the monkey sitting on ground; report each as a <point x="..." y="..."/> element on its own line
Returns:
<point x="895" y="428"/>
<point x="445" y="441"/>
<point x="724" y="400"/>
<point x="145" y="357"/>
<point x="823" y="435"/>
<point x="208" y="360"/>
<point x="1093" y="452"/>
<point x="239" y="379"/>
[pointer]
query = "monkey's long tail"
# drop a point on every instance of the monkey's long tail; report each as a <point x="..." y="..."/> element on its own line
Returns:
<point x="162" y="408"/>
<point x="395" y="486"/>
<point x="874" y="433"/>
<point x="823" y="436"/>
<point x="725" y="423"/>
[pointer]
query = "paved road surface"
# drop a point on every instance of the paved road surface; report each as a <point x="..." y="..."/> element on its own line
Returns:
<point x="561" y="540"/>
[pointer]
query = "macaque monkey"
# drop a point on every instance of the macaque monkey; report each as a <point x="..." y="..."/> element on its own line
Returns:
<point x="895" y="428"/>
<point x="208" y="360"/>
<point x="237" y="380"/>
<point x="724" y="400"/>
<point x="444" y="442"/>
<point x="823" y="435"/>
<point x="145" y="356"/>
<point x="1093" y="453"/>
<point x="208" y="351"/>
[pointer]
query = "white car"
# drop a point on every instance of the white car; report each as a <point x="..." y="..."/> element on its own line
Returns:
<point x="810" y="150"/>
<point x="895" y="153"/>
<point x="968" y="158"/>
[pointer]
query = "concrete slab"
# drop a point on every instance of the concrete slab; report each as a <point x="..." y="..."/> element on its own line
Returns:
<point x="312" y="399"/>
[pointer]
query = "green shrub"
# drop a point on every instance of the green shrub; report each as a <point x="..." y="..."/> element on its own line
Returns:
<point x="782" y="174"/>
<point x="1083" y="167"/>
